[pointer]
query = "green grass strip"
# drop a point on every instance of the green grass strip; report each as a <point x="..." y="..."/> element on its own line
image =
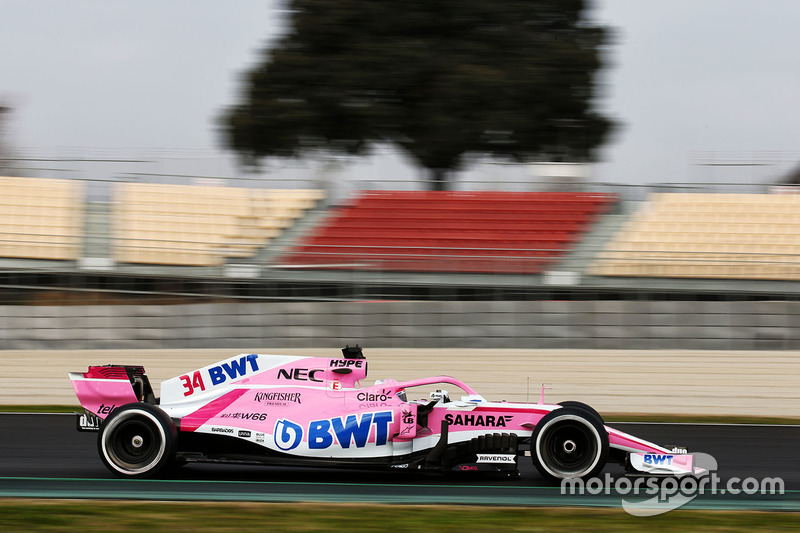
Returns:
<point x="41" y="409"/>
<point x="155" y="517"/>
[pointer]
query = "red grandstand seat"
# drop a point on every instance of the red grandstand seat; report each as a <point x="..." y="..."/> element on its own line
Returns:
<point x="461" y="231"/>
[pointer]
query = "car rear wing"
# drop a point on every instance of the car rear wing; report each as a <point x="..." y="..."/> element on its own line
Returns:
<point x="102" y="389"/>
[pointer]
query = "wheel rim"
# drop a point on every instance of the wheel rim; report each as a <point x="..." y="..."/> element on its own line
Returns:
<point x="134" y="442"/>
<point x="568" y="446"/>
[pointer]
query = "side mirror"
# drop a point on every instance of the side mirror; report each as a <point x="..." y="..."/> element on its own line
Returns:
<point x="441" y="395"/>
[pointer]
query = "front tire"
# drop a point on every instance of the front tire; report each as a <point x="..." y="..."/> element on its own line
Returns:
<point x="588" y="408"/>
<point x="569" y="443"/>
<point x="137" y="440"/>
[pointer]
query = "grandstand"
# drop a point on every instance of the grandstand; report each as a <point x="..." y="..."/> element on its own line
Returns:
<point x="201" y="230"/>
<point x="724" y="236"/>
<point x="671" y="235"/>
<point x="468" y="232"/>
<point x="41" y="218"/>
<point x="192" y="225"/>
<point x="255" y="266"/>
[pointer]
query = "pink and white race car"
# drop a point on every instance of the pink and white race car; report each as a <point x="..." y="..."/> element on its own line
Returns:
<point x="290" y="410"/>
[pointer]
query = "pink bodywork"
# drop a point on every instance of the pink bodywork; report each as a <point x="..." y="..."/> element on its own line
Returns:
<point x="314" y="407"/>
<point x="101" y="392"/>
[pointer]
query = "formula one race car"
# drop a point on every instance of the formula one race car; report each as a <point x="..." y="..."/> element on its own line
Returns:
<point x="289" y="410"/>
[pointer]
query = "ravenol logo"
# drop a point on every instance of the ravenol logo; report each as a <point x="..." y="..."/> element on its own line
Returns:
<point x="321" y="433"/>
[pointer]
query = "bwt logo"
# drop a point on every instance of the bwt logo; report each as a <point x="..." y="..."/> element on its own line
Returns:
<point x="287" y="435"/>
<point x="233" y="369"/>
<point x="219" y="374"/>
<point x="321" y="433"/>
<point x="657" y="459"/>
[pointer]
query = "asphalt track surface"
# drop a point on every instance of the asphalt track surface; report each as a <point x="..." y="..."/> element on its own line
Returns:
<point x="43" y="456"/>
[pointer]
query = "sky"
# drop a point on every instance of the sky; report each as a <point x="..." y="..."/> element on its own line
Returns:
<point x="703" y="90"/>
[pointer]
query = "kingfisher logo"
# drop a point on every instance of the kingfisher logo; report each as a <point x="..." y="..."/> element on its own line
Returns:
<point x="280" y="398"/>
<point x="322" y="434"/>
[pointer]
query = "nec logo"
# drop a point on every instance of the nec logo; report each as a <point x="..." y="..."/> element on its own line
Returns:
<point x="300" y="374"/>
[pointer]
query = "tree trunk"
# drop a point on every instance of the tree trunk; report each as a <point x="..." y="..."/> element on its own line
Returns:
<point x="437" y="179"/>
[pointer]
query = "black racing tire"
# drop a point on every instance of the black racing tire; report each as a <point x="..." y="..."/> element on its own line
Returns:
<point x="569" y="443"/>
<point x="137" y="440"/>
<point x="585" y="407"/>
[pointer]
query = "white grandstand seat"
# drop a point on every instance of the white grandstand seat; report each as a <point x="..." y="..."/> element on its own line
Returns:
<point x="741" y="236"/>
<point x="41" y="218"/>
<point x="199" y="225"/>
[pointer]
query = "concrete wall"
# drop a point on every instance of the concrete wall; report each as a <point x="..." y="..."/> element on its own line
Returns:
<point x="724" y="382"/>
<point x="533" y="324"/>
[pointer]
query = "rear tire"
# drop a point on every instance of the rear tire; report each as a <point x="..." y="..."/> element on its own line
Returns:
<point x="569" y="443"/>
<point x="137" y="440"/>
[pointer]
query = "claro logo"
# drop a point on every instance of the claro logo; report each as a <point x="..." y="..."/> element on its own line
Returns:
<point x="383" y="396"/>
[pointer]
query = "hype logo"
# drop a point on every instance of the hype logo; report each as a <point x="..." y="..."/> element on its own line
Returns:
<point x="287" y="435"/>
